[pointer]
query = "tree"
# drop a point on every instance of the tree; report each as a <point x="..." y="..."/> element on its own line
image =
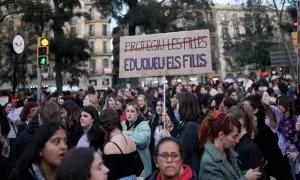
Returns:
<point x="154" y="17"/>
<point x="258" y="39"/>
<point x="9" y="7"/>
<point x="68" y="51"/>
<point x="8" y="62"/>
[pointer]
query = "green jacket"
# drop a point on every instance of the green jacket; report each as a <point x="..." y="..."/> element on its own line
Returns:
<point x="214" y="167"/>
<point x="141" y="136"/>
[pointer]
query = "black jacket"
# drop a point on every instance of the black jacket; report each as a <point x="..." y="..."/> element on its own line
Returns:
<point x="23" y="139"/>
<point x="267" y="142"/>
<point x="250" y="156"/>
<point x="74" y="133"/>
<point x="188" y="138"/>
<point x="5" y="167"/>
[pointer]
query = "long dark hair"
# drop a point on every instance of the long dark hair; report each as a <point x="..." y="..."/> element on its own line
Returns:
<point x="76" y="164"/>
<point x="109" y="121"/>
<point x="189" y="109"/>
<point x="73" y="112"/>
<point x="95" y="134"/>
<point x="4" y="123"/>
<point x="32" y="152"/>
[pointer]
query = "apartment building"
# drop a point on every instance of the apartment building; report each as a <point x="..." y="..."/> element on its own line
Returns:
<point x="95" y="28"/>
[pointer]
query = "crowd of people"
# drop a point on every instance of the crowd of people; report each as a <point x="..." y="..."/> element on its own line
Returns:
<point x="225" y="131"/>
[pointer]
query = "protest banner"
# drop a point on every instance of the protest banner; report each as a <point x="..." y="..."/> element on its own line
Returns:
<point x="166" y="54"/>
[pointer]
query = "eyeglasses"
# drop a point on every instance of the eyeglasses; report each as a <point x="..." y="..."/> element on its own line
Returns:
<point x="166" y="156"/>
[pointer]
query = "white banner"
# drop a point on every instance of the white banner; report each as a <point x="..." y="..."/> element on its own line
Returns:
<point x="167" y="54"/>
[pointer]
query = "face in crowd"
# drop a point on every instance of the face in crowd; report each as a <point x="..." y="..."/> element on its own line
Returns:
<point x="178" y="89"/>
<point x="230" y="140"/>
<point x="159" y="107"/>
<point x="131" y="113"/>
<point x="86" y="101"/>
<point x="8" y="108"/>
<point x="141" y="102"/>
<point x="127" y="93"/>
<point x="118" y="105"/>
<point x="55" y="149"/>
<point x="86" y="120"/>
<point x="169" y="160"/>
<point x="111" y="102"/>
<point x="98" y="170"/>
<point x="82" y="163"/>
<point x="234" y="96"/>
<point x="220" y="91"/>
<point x="265" y="99"/>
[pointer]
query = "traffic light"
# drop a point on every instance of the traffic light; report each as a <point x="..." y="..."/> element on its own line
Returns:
<point x="42" y="51"/>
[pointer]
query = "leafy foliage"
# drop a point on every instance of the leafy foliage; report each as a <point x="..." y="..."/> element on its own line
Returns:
<point x="258" y="39"/>
<point x="67" y="50"/>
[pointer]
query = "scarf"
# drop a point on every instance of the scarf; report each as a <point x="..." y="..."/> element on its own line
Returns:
<point x="187" y="174"/>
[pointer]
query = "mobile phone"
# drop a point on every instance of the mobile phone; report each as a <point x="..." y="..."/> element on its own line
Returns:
<point x="263" y="164"/>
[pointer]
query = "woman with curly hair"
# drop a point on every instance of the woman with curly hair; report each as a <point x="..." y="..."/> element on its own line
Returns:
<point x="118" y="147"/>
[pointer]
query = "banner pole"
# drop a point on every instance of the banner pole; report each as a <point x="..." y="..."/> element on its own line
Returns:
<point x="164" y="107"/>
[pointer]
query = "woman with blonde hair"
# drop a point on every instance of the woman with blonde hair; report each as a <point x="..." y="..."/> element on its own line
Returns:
<point x="91" y="100"/>
<point x="110" y="102"/>
<point x="138" y="129"/>
<point x="249" y="154"/>
<point x="144" y="109"/>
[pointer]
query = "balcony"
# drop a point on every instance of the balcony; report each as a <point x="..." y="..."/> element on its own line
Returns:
<point x="97" y="34"/>
<point x="101" y="53"/>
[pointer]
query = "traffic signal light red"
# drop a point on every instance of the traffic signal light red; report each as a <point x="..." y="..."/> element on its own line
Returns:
<point x="43" y="51"/>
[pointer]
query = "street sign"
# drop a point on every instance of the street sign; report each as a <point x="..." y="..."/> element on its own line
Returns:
<point x="18" y="44"/>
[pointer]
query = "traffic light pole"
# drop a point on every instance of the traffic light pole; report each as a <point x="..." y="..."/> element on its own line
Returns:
<point x="39" y="83"/>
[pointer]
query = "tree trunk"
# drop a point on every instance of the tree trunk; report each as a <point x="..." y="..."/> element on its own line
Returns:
<point x="58" y="36"/>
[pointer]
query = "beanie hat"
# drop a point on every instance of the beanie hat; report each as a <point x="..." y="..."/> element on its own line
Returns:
<point x="92" y="111"/>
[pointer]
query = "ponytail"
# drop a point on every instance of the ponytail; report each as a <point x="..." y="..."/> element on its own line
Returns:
<point x="215" y="123"/>
<point x="205" y="130"/>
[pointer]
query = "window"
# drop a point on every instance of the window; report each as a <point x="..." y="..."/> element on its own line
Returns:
<point x="225" y="33"/>
<point x="104" y="30"/>
<point x="91" y="14"/>
<point x="92" y="30"/>
<point x="103" y="16"/>
<point x="200" y="15"/>
<point x="105" y="63"/>
<point x="73" y="31"/>
<point x="91" y="43"/>
<point x="209" y="16"/>
<point x="235" y="20"/>
<point x="93" y="66"/>
<point x="236" y="31"/>
<point x="104" y="47"/>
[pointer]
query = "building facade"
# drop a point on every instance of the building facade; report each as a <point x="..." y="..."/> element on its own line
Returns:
<point x="230" y="28"/>
<point x="95" y="28"/>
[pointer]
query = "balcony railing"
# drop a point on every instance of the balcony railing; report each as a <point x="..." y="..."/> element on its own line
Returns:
<point x="97" y="34"/>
